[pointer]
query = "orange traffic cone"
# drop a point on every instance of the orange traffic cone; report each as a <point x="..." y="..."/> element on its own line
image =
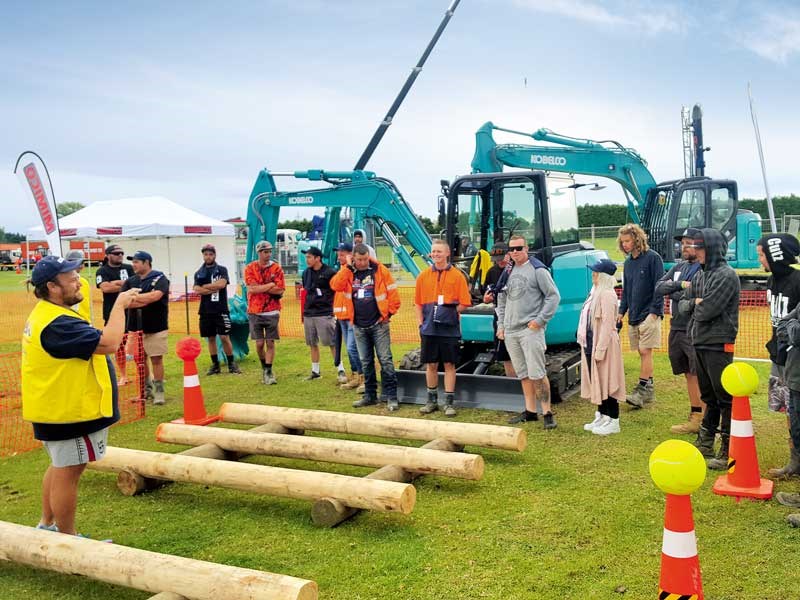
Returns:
<point x="743" y="479"/>
<point x="680" y="567"/>
<point x="194" y="410"/>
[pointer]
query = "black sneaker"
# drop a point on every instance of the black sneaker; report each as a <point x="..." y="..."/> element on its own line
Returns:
<point x="549" y="421"/>
<point x="365" y="402"/>
<point x="234" y="368"/>
<point x="313" y="375"/>
<point x="523" y="417"/>
<point x="214" y="370"/>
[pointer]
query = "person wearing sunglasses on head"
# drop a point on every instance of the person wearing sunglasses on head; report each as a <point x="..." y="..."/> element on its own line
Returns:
<point x="526" y="304"/>
<point x="113" y="272"/>
<point x="265" y="286"/>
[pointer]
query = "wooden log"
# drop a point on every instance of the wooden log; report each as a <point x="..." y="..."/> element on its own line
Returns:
<point x="167" y="596"/>
<point x="131" y="484"/>
<point x="328" y="512"/>
<point x="143" y="570"/>
<point x="275" y="481"/>
<point x="465" y="434"/>
<point x="418" y="460"/>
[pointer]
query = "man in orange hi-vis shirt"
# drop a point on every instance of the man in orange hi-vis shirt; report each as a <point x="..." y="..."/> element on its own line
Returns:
<point x="440" y="296"/>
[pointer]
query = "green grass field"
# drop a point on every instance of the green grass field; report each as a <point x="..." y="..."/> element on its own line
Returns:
<point x="574" y="516"/>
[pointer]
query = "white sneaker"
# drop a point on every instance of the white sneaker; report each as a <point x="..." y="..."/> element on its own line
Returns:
<point x="607" y="426"/>
<point x="597" y="418"/>
<point x="342" y="377"/>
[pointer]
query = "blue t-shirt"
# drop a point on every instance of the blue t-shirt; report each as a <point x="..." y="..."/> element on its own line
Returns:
<point x="71" y="337"/>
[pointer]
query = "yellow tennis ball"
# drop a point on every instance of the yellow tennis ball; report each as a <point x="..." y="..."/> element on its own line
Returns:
<point x="739" y="379"/>
<point x="677" y="467"/>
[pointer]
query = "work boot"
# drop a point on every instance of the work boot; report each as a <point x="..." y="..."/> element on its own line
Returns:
<point x="649" y="394"/>
<point x="720" y="461"/>
<point x="637" y="397"/>
<point x="550" y="421"/>
<point x="787" y="499"/>
<point x="790" y="470"/>
<point x="705" y="442"/>
<point x="148" y="389"/>
<point x="214" y="370"/>
<point x="365" y="401"/>
<point x="392" y="404"/>
<point x="352" y="383"/>
<point x="361" y="385"/>
<point x="793" y="520"/>
<point x="692" y="425"/>
<point x="234" y="368"/>
<point x="341" y="377"/>
<point x="449" y="406"/>
<point x="432" y="404"/>
<point x="158" y="396"/>
<point x="265" y="374"/>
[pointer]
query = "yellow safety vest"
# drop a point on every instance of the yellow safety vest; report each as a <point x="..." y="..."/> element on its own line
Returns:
<point x="54" y="390"/>
<point x="84" y="307"/>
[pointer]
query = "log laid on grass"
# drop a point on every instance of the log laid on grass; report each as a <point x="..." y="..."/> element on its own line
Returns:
<point x="275" y="481"/>
<point x="417" y="460"/>
<point x="465" y="434"/>
<point x="328" y="512"/>
<point x="131" y="484"/>
<point x="143" y="570"/>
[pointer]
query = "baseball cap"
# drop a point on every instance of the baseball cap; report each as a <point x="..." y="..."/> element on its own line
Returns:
<point x="141" y="255"/>
<point x="208" y="248"/>
<point x="113" y="248"/>
<point x="690" y="232"/>
<point x="263" y="245"/>
<point x="499" y="249"/>
<point x="50" y="266"/>
<point x="75" y="255"/>
<point x="604" y="265"/>
<point x="346" y="246"/>
<point x="313" y="251"/>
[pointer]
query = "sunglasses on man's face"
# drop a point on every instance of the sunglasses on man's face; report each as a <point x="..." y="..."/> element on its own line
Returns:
<point x="266" y="250"/>
<point x="516" y="248"/>
<point x="117" y="253"/>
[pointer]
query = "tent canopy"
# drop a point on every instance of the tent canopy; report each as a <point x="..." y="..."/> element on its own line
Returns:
<point x="137" y="217"/>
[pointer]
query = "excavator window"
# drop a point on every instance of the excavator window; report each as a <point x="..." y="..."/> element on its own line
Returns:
<point x="692" y="210"/>
<point x="522" y="213"/>
<point x="722" y="208"/>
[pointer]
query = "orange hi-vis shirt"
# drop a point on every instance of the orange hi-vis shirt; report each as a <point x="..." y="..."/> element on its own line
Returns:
<point x="439" y="294"/>
<point x="255" y="274"/>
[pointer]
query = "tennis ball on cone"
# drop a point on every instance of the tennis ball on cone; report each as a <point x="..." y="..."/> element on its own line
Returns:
<point x="677" y="467"/>
<point x="739" y="379"/>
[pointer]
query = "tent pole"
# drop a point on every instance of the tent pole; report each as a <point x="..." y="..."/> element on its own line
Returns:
<point x="186" y="298"/>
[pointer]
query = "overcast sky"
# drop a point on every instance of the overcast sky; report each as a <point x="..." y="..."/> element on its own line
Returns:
<point x="190" y="100"/>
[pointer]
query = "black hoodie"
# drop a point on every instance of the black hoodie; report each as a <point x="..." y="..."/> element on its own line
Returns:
<point x="715" y="321"/>
<point x="783" y="285"/>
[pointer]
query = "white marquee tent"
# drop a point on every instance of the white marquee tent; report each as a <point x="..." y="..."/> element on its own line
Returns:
<point x="170" y="232"/>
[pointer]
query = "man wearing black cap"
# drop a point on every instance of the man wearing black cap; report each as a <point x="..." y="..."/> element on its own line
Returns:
<point x="211" y="283"/>
<point x="712" y="304"/>
<point x="319" y="323"/>
<point x="681" y="352"/>
<point x="69" y="390"/>
<point x="151" y="318"/>
<point x="777" y="252"/>
<point x="110" y="277"/>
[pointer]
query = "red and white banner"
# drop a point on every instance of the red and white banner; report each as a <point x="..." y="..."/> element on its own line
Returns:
<point x="35" y="180"/>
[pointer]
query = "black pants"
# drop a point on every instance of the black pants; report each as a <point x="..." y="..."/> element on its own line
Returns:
<point x="710" y="364"/>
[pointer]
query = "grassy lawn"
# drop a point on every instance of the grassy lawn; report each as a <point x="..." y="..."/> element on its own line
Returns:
<point x="574" y="516"/>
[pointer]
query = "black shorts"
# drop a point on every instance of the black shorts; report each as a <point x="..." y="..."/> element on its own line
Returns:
<point x="681" y="353"/>
<point x="436" y="349"/>
<point x="500" y="352"/>
<point x="215" y="324"/>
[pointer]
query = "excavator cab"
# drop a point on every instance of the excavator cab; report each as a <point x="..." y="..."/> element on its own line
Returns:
<point x="698" y="202"/>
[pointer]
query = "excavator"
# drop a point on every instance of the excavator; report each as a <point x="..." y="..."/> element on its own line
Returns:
<point x="663" y="209"/>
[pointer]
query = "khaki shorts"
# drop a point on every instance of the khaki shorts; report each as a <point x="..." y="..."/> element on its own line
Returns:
<point x="155" y="344"/>
<point x="527" y="348"/>
<point x="646" y="335"/>
<point x="320" y="331"/>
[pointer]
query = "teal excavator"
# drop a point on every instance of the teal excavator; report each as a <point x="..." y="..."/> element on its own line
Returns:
<point x="663" y="209"/>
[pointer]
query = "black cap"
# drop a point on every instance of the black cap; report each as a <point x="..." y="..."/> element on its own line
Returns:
<point x="690" y="232"/>
<point x="113" y="248"/>
<point x="50" y="266"/>
<point x="313" y="251"/>
<point x="780" y="248"/>
<point x="604" y="265"/>
<point x="499" y="249"/>
<point x="141" y="255"/>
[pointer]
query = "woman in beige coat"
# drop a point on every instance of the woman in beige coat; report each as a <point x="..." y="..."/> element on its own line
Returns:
<point x="602" y="370"/>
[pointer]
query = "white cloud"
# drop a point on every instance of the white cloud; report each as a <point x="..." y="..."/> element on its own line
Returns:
<point x="640" y="16"/>
<point x="774" y="37"/>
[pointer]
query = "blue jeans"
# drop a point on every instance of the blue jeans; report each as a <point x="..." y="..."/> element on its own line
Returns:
<point x="375" y="341"/>
<point x="349" y="337"/>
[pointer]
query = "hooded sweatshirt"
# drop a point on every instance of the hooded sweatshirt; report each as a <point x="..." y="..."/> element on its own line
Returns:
<point x="783" y="285"/>
<point x="715" y="321"/>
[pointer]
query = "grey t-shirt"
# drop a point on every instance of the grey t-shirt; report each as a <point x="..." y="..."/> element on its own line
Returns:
<point x="529" y="295"/>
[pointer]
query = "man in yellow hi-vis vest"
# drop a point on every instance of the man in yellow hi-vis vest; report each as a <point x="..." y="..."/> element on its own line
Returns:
<point x="69" y="390"/>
